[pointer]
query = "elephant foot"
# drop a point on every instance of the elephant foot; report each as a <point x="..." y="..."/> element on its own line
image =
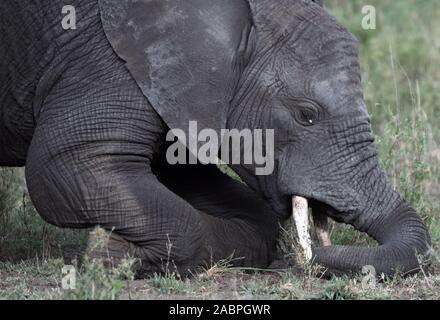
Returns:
<point x="112" y="250"/>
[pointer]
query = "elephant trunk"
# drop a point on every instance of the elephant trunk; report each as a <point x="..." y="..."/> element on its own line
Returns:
<point x="398" y="228"/>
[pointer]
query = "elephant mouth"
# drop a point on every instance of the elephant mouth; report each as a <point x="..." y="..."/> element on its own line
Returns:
<point x="320" y="213"/>
<point x="326" y="209"/>
<point x="300" y="214"/>
<point x="320" y="205"/>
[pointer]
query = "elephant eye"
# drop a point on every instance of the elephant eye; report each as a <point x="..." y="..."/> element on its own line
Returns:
<point x="306" y="115"/>
<point x="306" y="112"/>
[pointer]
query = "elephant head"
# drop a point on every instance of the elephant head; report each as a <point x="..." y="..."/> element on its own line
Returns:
<point x="285" y="65"/>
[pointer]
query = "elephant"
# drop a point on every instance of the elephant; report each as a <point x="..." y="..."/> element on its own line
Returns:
<point x="86" y="110"/>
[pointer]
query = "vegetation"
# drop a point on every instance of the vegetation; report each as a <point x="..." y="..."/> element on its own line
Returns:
<point x="402" y="90"/>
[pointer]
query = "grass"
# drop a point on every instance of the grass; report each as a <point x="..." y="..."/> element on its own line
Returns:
<point x="402" y="91"/>
<point x="33" y="280"/>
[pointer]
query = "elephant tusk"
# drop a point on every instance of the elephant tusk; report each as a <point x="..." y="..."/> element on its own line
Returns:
<point x="301" y="219"/>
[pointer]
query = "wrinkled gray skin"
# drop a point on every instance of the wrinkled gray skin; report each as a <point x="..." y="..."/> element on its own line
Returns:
<point x="87" y="111"/>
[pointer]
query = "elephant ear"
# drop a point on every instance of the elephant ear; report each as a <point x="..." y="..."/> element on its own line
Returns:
<point x="185" y="55"/>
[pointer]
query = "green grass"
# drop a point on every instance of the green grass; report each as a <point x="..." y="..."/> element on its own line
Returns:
<point x="402" y="90"/>
<point x="42" y="280"/>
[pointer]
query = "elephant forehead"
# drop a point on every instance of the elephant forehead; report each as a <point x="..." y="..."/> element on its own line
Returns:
<point x="330" y="76"/>
<point x="339" y="90"/>
<point x="334" y="78"/>
<point x="340" y="96"/>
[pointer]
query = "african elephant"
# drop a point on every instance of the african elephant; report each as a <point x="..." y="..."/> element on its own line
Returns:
<point x="86" y="111"/>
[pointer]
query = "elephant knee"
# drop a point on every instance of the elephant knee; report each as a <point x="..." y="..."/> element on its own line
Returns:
<point x="56" y="190"/>
<point x="56" y="200"/>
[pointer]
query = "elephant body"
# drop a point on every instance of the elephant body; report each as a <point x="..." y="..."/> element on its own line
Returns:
<point x="89" y="156"/>
<point x="87" y="110"/>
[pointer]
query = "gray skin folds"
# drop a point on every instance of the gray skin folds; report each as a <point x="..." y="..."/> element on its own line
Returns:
<point x="87" y="111"/>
